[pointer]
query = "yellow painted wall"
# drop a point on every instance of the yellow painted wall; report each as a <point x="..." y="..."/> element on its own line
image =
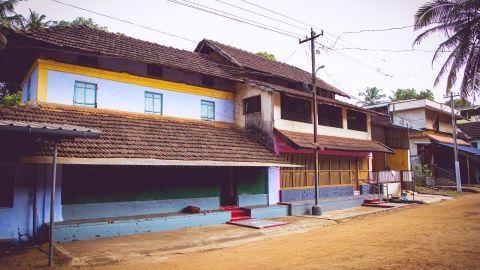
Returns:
<point x="399" y="160"/>
<point x="46" y="65"/>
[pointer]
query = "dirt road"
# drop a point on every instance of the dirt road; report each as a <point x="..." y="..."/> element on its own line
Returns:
<point x="445" y="235"/>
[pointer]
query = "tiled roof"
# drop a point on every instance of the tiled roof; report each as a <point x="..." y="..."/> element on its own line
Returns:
<point x="320" y="99"/>
<point x="305" y="140"/>
<point x="256" y="62"/>
<point x="437" y="138"/>
<point x="143" y="136"/>
<point x="101" y="42"/>
<point x="472" y="129"/>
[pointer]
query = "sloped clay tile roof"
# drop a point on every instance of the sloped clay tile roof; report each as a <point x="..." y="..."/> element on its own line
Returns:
<point x="472" y="129"/>
<point x="320" y="99"/>
<point x="276" y="68"/>
<point x="101" y="42"/>
<point x="143" y="136"/>
<point x="438" y="138"/>
<point x="305" y="140"/>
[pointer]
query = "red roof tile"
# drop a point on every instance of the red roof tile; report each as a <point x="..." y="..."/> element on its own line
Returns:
<point x="253" y="61"/>
<point x="101" y="42"/>
<point x="143" y="136"/>
<point x="305" y="140"/>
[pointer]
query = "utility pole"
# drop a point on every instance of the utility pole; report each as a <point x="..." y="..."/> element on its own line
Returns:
<point x="458" y="179"/>
<point x="316" y="209"/>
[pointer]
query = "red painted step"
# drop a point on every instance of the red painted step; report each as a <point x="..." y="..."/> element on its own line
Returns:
<point x="371" y="201"/>
<point x="237" y="213"/>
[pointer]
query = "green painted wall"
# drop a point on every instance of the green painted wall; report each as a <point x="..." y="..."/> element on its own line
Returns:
<point x="251" y="181"/>
<point x="82" y="184"/>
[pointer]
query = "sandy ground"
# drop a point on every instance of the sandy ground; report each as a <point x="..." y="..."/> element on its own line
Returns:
<point x="444" y="235"/>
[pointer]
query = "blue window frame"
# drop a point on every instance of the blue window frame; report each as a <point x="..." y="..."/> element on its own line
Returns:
<point x="153" y="103"/>
<point x="208" y="110"/>
<point x="85" y="94"/>
<point x="28" y="95"/>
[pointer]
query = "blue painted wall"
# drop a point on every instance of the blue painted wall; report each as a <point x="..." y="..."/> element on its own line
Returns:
<point x="33" y="86"/>
<point x="249" y="200"/>
<point x="289" y="195"/>
<point x="116" y="209"/>
<point x="92" y="230"/>
<point x="19" y="218"/>
<point x="130" y="97"/>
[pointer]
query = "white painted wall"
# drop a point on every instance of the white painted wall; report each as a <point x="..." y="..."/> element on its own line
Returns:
<point x="294" y="126"/>
<point x="130" y="97"/>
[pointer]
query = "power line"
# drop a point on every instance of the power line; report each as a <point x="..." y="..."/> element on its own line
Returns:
<point x="125" y="21"/>
<point x="238" y="18"/>
<point x="370" y="30"/>
<point x="382" y="50"/>
<point x="262" y="15"/>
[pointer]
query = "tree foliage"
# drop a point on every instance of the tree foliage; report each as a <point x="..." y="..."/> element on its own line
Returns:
<point x="11" y="99"/>
<point x="371" y="96"/>
<point x="459" y="103"/>
<point x="459" y="22"/>
<point x="35" y="21"/>
<point x="267" y="55"/>
<point x="8" y="18"/>
<point x="81" y="21"/>
<point x="411" y="93"/>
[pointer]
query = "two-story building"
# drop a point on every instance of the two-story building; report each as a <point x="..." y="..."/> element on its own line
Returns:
<point x="276" y="105"/>
<point x="161" y="129"/>
<point x="431" y="139"/>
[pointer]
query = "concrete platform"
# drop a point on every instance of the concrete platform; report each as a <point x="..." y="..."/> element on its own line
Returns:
<point x="298" y="208"/>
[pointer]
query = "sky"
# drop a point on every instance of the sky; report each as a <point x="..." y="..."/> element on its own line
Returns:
<point x="351" y="70"/>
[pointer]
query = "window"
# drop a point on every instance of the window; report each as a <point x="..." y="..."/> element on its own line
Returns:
<point x="296" y="109"/>
<point x="207" y="80"/>
<point x="252" y="105"/>
<point x="6" y="185"/>
<point x="85" y="94"/>
<point x="356" y="120"/>
<point x="208" y="110"/>
<point x="153" y="103"/>
<point x="28" y="94"/>
<point x="154" y="70"/>
<point x="88" y="60"/>
<point x="330" y="116"/>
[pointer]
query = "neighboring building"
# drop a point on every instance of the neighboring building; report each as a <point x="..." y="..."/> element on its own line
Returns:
<point x="215" y="128"/>
<point x="471" y="113"/>
<point x="430" y="135"/>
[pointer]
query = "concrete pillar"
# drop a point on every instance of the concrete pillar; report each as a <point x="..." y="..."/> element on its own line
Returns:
<point x="273" y="185"/>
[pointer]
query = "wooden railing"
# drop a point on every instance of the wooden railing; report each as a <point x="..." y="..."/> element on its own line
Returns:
<point x="305" y="178"/>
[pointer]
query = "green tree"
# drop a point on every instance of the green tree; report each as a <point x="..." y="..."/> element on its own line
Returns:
<point x="459" y="22"/>
<point x="267" y="55"/>
<point x="426" y="94"/>
<point x="404" y="94"/>
<point x="10" y="99"/>
<point x="371" y="96"/>
<point x="8" y="18"/>
<point x="459" y="103"/>
<point x="35" y="21"/>
<point x="411" y="93"/>
<point x="82" y="21"/>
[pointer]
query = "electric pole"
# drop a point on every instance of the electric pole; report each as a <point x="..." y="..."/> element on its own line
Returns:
<point x="316" y="209"/>
<point x="458" y="179"/>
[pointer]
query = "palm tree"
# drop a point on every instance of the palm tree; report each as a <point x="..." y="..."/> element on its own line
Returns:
<point x="8" y="18"/>
<point x="459" y="21"/>
<point x="371" y="96"/>
<point x="35" y="21"/>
